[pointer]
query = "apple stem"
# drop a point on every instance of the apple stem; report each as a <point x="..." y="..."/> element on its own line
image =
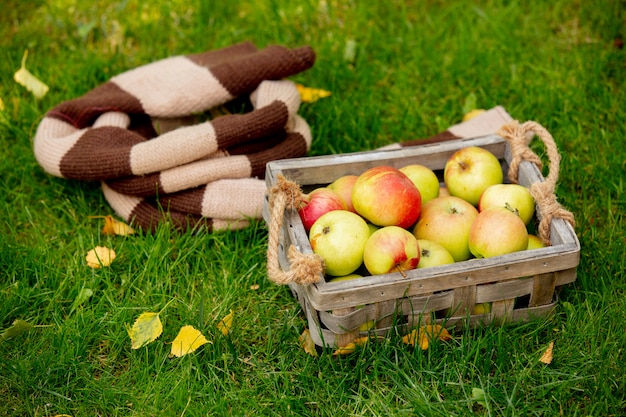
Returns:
<point x="401" y="271"/>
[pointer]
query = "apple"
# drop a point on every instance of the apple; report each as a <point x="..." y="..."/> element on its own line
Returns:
<point x="512" y="196"/>
<point x="535" y="242"/>
<point x="443" y="191"/>
<point x="424" y="179"/>
<point x="469" y="171"/>
<point x="497" y="231"/>
<point x="339" y="238"/>
<point x="447" y="221"/>
<point x="386" y="197"/>
<point x="391" y="249"/>
<point x="433" y="254"/>
<point x="343" y="187"/>
<point x="318" y="202"/>
<point x="482" y="308"/>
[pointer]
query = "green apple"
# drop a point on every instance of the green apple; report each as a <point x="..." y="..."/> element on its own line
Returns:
<point x="497" y="231"/>
<point x="386" y="197"/>
<point x="343" y="187"/>
<point x="424" y="179"/>
<point x="513" y="196"/>
<point x="391" y="249"/>
<point x="482" y="308"/>
<point x="469" y="171"/>
<point x="339" y="238"/>
<point x="433" y="254"/>
<point x="535" y="242"/>
<point x="447" y="221"/>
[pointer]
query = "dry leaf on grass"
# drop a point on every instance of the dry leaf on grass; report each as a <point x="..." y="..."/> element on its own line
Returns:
<point x="311" y="95"/>
<point x="100" y="256"/>
<point x="17" y="328"/>
<point x="188" y="340"/>
<point x="548" y="354"/>
<point x="424" y="334"/>
<point x="116" y="227"/>
<point x="351" y="347"/>
<point x="1" y="105"/>
<point x="26" y="79"/>
<point x="226" y="323"/>
<point x="307" y="343"/>
<point x="146" y="329"/>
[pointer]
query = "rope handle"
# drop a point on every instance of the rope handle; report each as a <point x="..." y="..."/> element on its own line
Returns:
<point x="303" y="269"/>
<point x="519" y="137"/>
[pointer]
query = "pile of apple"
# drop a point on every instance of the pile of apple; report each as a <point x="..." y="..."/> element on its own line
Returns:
<point x="394" y="220"/>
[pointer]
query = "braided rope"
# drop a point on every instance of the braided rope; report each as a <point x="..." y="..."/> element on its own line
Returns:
<point x="519" y="136"/>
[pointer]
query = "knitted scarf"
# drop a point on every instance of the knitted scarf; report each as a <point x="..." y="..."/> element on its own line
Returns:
<point x="139" y="135"/>
<point x="133" y="134"/>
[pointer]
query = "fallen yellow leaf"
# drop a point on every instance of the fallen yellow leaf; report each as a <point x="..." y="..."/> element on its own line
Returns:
<point x="226" y="323"/>
<point x="100" y="256"/>
<point x="116" y="227"/>
<point x="351" y="347"/>
<point x="146" y="329"/>
<point x="311" y="95"/>
<point x="472" y="113"/>
<point x="423" y="335"/>
<point x="28" y="80"/>
<point x="306" y="341"/>
<point x="188" y="340"/>
<point x="548" y="354"/>
<point x="1" y="104"/>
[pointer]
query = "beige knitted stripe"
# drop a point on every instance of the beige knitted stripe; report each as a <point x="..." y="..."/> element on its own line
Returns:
<point x="174" y="148"/>
<point x="53" y="139"/>
<point x="173" y="87"/>
<point x="486" y="123"/>
<point x="204" y="171"/>
<point x="234" y="198"/>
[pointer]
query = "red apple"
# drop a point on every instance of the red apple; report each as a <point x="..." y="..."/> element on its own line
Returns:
<point x="447" y="221"/>
<point x="386" y="197"/>
<point x="339" y="238"/>
<point x="424" y="179"/>
<point x="512" y="196"/>
<point x="469" y="171"/>
<point x="318" y="202"/>
<point x="343" y="187"/>
<point x="433" y="254"/>
<point x="391" y="249"/>
<point x="497" y="231"/>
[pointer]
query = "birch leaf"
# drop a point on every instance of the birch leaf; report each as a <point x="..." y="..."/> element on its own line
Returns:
<point x="351" y="347"/>
<point x="478" y="396"/>
<point x="424" y="334"/>
<point x="307" y="343"/>
<point x="548" y="354"/>
<point x="311" y="95"/>
<point x="99" y="257"/>
<point x="83" y="295"/>
<point x="17" y="328"/>
<point x="1" y="105"/>
<point x="226" y="323"/>
<point x="188" y="340"/>
<point x="146" y="329"/>
<point x="116" y="227"/>
<point x="25" y="78"/>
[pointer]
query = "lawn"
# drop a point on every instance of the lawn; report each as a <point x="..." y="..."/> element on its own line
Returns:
<point x="397" y="70"/>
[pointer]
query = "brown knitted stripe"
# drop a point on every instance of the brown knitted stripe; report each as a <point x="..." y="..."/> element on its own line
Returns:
<point x="188" y="201"/>
<point x="255" y="146"/>
<point x="101" y="153"/>
<point x="147" y="215"/>
<point x="218" y="56"/>
<point x="140" y="185"/>
<point x="238" y="128"/>
<point x="440" y="137"/>
<point x="81" y="112"/>
<point x="293" y="146"/>
<point x="242" y="75"/>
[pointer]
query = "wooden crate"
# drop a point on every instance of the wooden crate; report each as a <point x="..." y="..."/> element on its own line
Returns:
<point x="518" y="285"/>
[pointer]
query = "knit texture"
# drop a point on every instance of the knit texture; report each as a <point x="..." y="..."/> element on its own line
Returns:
<point x="138" y="134"/>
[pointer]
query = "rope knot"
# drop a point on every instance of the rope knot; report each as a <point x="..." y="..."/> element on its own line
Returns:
<point x="519" y="139"/>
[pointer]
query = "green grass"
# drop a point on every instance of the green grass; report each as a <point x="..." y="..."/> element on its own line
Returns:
<point x="415" y="65"/>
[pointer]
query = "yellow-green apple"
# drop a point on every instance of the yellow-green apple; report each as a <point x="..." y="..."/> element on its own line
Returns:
<point x="512" y="196"/>
<point x="386" y="197"/>
<point x="443" y="191"/>
<point x="447" y="221"/>
<point x="482" y="308"/>
<point x="339" y="238"/>
<point x="469" y="171"/>
<point x="391" y="249"/>
<point x="433" y="254"/>
<point x="343" y="186"/>
<point x="497" y="231"/>
<point x="318" y="202"/>
<point x="535" y="242"/>
<point x="424" y="179"/>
